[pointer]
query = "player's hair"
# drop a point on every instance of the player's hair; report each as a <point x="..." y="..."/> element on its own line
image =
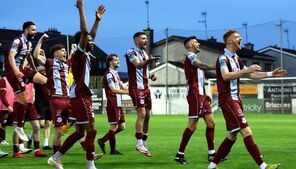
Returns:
<point x="188" y="39"/>
<point x="137" y="34"/>
<point x="27" y="24"/>
<point x="77" y="37"/>
<point x="55" y="48"/>
<point x="227" y="34"/>
<point x="109" y="58"/>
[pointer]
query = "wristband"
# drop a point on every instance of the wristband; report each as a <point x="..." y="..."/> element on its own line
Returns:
<point x="269" y="74"/>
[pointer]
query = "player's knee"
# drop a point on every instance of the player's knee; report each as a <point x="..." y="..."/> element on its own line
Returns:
<point x="246" y="132"/>
<point x="121" y="128"/>
<point x="232" y="137"/>
<point x="192" y="126"/>
<point x="113" y="127"/>
<point x="141" y="115"/>
<point x="211" y="124"/>
<point x="58" y="130"/>
<point x="47" y="125"/>
<point x="36" y="128"/>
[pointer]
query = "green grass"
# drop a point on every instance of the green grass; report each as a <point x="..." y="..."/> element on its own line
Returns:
<point x="274" y="134"/>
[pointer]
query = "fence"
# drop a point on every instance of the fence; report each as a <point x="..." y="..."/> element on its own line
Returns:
<point x="271" y="95"/>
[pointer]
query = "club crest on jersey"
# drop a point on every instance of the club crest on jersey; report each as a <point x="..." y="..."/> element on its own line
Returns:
<point x="142" y="101"/>
<point x="59" y="120"/>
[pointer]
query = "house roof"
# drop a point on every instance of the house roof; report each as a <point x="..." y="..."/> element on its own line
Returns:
<point x="286" y="51"/>
<point x="55" y="37"/>
<point x="217" y="47"/>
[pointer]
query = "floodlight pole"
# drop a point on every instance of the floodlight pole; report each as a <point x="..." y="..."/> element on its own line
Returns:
<point x="281" y="49"/>
<point x="204" y="14"/>
<point x="147" y="5"/>
<point x="245" y="25"/>
<point x="288" y="39"/>
<point x="166" y="69"/>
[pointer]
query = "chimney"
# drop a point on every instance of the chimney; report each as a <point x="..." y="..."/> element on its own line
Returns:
<point x="52" y="31"/>
<point x="212" y="39"/>
<point x="249" y="46"/>
<point x="150" y="33"/>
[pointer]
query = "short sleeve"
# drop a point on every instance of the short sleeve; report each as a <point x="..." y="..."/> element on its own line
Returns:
<point x="131" y="55"/>
<point x="222" y="62"/>
<point x="110" y="80"/>
<point x="15" y="45"/>
<point x="192" y="57"/>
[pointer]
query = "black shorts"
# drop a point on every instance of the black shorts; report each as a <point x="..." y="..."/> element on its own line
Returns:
<point x="43" y="110"/>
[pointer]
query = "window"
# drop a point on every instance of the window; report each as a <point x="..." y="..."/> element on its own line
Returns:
<point x="267" y="67"/>
<point x="104" y="65"/>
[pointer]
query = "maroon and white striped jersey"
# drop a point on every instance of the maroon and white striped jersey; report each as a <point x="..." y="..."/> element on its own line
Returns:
<point x="138" y="77"/>
<point x="228" y="89"/>
<point x="81" y="65"/>
<point x="22" y="47"/>
<point x="194" y="76"/>
<point x="57" y="73"/>
<point x="111" y="78"/>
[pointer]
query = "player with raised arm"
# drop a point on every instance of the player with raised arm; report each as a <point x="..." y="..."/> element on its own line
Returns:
<point x="80" y="93"/>
<point x="57" y="70"/>
<point x="229" y="69"/>
<point x="137" y="63"/>
<point x="17" y="75"/>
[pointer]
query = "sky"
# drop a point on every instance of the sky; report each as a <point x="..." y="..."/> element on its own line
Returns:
<point x="125" y="17"/>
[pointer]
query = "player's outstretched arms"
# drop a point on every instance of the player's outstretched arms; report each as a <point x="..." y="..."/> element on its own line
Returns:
<point x="38" y="52"/>
<point x="83" y="25"/>
<point x="99" y="15"/>
<point x="278" y="72"/>
<point x="234" y="75"/>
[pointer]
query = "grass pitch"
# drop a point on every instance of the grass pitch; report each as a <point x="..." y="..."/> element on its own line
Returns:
<point x="274" y="134"/>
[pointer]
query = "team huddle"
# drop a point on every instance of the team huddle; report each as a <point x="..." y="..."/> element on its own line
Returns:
<point x="31" y="73"/>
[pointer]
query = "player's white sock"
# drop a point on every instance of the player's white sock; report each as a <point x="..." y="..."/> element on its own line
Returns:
<point x="212" y="151"/>
<point x="139" y="141"/>
<point x="212" y="165"/>
<point x="90" y="164"/>
<point x="263" y="165"/>
<point x="181" y="153"/>
<point x="57" y="155"/>
<point x="21" y="146"/>
<point x="45" y="142"/>
<point x="144" y="143"/>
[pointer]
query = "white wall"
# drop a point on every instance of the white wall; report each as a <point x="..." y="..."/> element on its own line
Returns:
<point x="177" y="103"/>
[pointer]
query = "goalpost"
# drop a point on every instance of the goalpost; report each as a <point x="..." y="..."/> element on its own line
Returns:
<point x="270" y="95"/>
